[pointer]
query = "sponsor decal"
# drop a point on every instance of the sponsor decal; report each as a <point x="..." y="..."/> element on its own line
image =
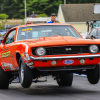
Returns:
<point x="25" y="56"/>
<point x="6" y="54"/>
<point x="26" y="61"/>
<point x="30" y="64"/>
<point x="68" y="62"/>
<point x="31" y="67"/>
<point x="27" y="29"/>
<point x="7" y="66"/>
<point x="17" y="68"/>
<point x="22" y="55"/>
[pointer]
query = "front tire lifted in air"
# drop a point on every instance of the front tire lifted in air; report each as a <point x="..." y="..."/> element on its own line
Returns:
<point x="93" y="75"/>
<point x="25" y="74"/>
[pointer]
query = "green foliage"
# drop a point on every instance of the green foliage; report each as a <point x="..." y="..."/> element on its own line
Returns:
<point x="1" y="27"/>
<point x="46" y="6"/>
<point x="16" y="8"/>
<point x="42" y="15"/>
<point x="2" y="24"/>
<point x="3" y="16"/>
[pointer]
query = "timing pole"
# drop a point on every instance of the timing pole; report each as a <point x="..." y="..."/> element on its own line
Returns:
<point x="25" y="12"/>
<point x="64" y="1"/>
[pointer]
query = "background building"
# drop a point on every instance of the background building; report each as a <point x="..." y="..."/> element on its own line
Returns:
<point x="77" y="15"/>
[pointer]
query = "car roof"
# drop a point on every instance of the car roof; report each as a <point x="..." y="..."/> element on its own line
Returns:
<point x="41" y="24"/>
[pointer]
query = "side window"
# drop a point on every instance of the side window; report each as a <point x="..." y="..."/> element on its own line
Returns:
<point x="93" y="32"/>
<point x="10" y="37"/>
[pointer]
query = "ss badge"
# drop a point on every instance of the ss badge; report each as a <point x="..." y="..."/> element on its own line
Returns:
<point x="68" y="49"/>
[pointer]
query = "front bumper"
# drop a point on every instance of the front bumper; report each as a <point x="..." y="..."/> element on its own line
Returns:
<point x="65" y="57"/>
<point x="68" y="61"/>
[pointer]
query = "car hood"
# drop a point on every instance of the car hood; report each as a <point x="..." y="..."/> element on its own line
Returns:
<point x="59" y="40"/>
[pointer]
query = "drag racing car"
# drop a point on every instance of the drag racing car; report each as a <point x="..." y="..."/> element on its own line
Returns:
<point x="94" y="33"/>
<point x="37" y="50"/>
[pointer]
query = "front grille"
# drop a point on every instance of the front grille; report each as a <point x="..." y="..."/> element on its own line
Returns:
<point x="64" y="50"/>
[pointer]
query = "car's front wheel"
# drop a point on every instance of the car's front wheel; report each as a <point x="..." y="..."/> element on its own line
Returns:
<point x="4" y="79"/>
<point x="65" y="80"/>
<point x="25" y="74"/>
<point x="93" y="75"/>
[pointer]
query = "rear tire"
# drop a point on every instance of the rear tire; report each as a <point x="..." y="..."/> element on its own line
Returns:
<point x="25" y="74"/>
<point x="4" y="79"/>
<point x="93" y="75"/>
<point x="65" y="80"/>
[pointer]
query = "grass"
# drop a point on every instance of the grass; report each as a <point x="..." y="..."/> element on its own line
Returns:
<point x="11" y="23"/>
<point x="14" y="23"/>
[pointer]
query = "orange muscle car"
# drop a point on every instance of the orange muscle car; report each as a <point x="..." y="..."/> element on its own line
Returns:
<point x="36" y="50"/>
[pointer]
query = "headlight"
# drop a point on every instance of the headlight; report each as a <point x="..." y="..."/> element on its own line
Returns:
<point x="93" y="49"/>
<point x="40" y="51"/>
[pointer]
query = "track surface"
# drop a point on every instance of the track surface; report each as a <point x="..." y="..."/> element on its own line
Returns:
<point x="80" y="90"/>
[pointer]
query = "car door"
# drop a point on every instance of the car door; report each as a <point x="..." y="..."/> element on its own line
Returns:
<point x="6" y="51"/>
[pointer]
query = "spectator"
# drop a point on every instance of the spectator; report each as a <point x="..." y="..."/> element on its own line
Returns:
<point x="53" y="18"/>
<point x="31" y="22"/>
<point x="28" y="22"/>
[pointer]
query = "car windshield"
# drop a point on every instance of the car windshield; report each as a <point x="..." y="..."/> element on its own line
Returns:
<point x="35" y="32"/>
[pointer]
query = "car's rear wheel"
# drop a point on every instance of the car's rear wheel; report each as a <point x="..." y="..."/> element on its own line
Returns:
<point x="25" y="74"/>
<point x="4" y="79"/>
<point x="65" y="80"/>
<point x="93" y="75"/>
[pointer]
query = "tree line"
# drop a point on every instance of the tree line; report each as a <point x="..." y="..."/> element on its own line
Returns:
<point x="16" y="8"/>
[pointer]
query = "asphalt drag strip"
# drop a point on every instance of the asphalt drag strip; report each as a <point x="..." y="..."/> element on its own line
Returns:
<point x="81" y="89"/>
